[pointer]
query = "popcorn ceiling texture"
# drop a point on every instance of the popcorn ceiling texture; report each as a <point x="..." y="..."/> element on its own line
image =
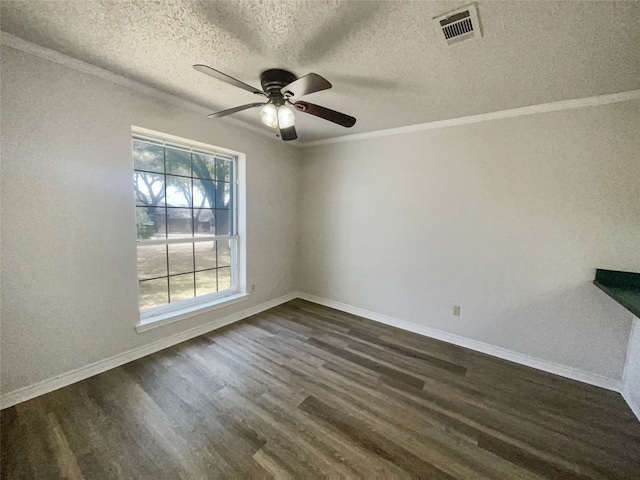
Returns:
<point x="385" y="59"/>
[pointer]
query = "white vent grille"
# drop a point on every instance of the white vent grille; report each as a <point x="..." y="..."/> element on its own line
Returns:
<point x="461" y="24"/>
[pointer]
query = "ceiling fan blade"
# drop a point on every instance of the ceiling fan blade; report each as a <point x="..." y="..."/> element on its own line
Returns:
<point x="212" y="72"/>
<point x="305" y="85"/>
<point x="326" y="113"/>
<point x="288" y="133"/>
<point x="229" y="111"/>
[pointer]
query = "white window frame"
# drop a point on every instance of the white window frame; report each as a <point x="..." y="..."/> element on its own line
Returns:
<point x="162" y="315"/>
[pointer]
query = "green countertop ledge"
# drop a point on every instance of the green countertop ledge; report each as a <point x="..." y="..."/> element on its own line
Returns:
<point x="623" y="287"/>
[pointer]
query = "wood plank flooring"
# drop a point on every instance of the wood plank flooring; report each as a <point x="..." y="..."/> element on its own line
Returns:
<point x="306" y="391"/>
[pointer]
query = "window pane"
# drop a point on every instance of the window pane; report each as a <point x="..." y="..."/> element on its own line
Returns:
<point x="206" y="282"/>
<point x="203" y="220"/>
<point x="149" y="188"/>
<point x="150" y="222"/>
<point x="205" y="255"/>
<point x="224" y="278"/>
<point x="180" y="258"/>
<point x="204" y="166"/>
<point x="180" y="194"/>
<point x="178" y="191"/>
<point x="179" y="222"/>
<point x="223" y="170"/>
<point x="204" y="193"/>
<point x="223" y="194"/>
<point x="153" y="293"/>
<point x="224" y="253"/>
<point x="178" y="162"/>
<point x="147" y="156"/>
<point x="228" y="194"/>
<point x="223" y="226"/>
<point x="152" y="261"/>
<point x="181" y="287"/>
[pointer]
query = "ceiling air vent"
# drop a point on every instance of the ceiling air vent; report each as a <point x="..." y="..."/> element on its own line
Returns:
<point x="461" y="24"/>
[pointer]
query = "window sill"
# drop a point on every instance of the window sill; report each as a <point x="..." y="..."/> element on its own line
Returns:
<point x="190" y="311"/>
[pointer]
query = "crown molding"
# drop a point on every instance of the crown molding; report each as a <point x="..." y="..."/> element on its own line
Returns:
<point x="484" y="117"/>
<point x="18" y="43"/>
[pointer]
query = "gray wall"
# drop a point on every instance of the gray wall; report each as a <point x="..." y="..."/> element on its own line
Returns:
<point x="506" y="218"/>
<point x="69" y="295"/>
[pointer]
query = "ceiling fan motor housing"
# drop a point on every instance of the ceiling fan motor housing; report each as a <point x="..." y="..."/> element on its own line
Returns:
<point x="274" y="80"/>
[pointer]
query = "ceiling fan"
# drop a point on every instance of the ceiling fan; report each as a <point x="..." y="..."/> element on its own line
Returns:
<point x="282" y="88"/>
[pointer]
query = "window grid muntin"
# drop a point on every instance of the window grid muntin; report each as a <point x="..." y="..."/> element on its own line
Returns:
<point x="161" y="309"/>
<point x="193" y="239"/>
<point x="186" y="273"/>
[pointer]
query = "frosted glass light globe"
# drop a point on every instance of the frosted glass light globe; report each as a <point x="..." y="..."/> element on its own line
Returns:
<point x="285" y="117"/>
<point x="269" y="115"/>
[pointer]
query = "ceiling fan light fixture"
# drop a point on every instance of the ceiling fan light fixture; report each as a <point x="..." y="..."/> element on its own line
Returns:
<point x="286" y="118"/>
<point x="269" y="115"/>
<point x="279" y="87"/>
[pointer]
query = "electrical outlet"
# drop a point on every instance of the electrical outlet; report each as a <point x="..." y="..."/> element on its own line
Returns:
<point x="456" y="310"/>
<point x="253" y="287"/>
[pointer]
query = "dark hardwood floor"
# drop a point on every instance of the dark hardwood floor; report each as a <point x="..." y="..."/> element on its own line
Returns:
<point x="305" y="391"/>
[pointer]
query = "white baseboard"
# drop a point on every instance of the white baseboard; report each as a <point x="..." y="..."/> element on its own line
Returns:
<point x="45" y="386"/>
<point x="550" y="367"/>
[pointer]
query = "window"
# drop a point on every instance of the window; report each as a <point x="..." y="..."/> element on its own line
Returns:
<point x="187" y="225"/>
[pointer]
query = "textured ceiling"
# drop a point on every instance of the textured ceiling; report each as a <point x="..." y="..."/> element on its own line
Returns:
<point x="387" y="64"/>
